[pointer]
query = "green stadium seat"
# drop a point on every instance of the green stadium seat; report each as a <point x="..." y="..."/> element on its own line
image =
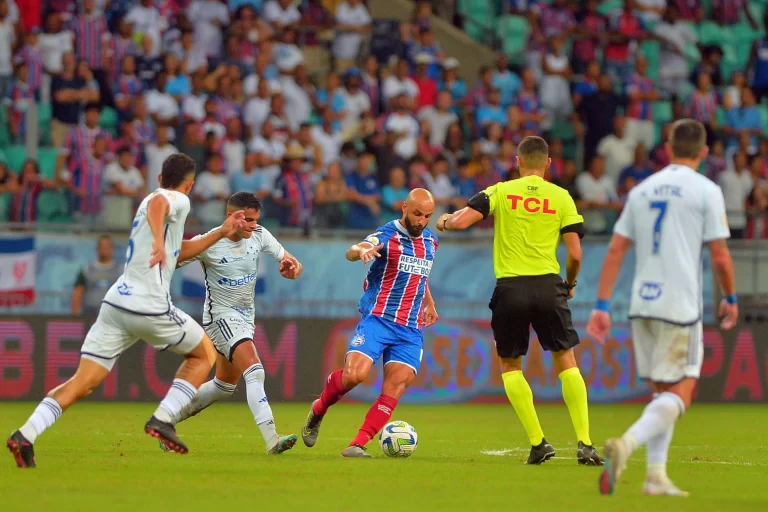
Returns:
<point x="5" y="206"/>
<point x="720" y="116"/>
<point x="513" y="31"/>
<point x="479" y="16"/>
<point x="5" y="133"/>
<point x="46" y="159"/>
<point x="662" y="111"/>
<point x="108" y="120"/>
<point x="16" y="155"/>
<point x="608" y="6"/>
<point x="650" y="49"/>
<point x="712" y="33"/>
<point x="764" y="116"/>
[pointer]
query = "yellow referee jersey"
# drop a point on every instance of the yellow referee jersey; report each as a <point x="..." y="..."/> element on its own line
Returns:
<point x="529" y="216"/>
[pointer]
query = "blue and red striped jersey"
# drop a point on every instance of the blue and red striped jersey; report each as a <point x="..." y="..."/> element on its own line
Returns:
<point x="397" y="282"/>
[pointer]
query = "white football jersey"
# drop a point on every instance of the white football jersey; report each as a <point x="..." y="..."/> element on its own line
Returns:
<point x="230" y="270"/>
<point x="142" y="289"/>
<point x="670" y="217"/>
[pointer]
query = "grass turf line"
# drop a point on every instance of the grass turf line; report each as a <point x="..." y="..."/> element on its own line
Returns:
<point x="98" y="458"/>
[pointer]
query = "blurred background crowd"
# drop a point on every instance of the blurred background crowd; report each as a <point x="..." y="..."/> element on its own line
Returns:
<point x="331" y="116"/>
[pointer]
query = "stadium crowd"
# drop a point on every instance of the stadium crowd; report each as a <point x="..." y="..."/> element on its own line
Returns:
<point x="284" y="99"/>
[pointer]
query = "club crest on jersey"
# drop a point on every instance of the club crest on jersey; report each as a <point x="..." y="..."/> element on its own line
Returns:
<point x="358" y="340"/>
<point x="650" y="291"/>
<point x="373" y="238"/>
<point x="124" y="289"/>
<point x="414" y="265"/>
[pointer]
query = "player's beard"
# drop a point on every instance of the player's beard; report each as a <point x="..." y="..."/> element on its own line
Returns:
<point x="412" y="230"/>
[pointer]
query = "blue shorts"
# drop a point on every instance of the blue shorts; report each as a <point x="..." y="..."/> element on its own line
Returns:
<point x="375" y="336"/>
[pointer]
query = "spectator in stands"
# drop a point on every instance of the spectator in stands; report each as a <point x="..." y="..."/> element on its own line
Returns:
<point x="270" y="150"/>
<point x="393" y="195"/>
<point x="702" y="105"/>
<point x="675" y="35"/>
<point x="313" y="154"/>
<point x="370" y="84"/>
<point x="317" y="18"/>
<point x="547" y="21"/>
<point x="143" y="124"/>
<point x="178" y="84"/>
<point x="426" y="45"/>
<point x="757" y="66"/>
<point x="464" y="183"/>
<point x="16" y="103"/>
<point x="79" y="142"/>
<point x="598" y="112"/>
<point x="233" y="148"/>
<point x="69" y="91"/>
<point x="715" y="163"/>
<point x="490" y="144"/>
<point x="122" y="178"/>
<point x="567" y="180"/>
<point x="690" y="10"/>
<point x="364" y="195"/>
<point x="7" y="42"/>
<point x="148" y="65"/>
<point x="635" y="173"/>
<point x="626" y="31"/>
<point x="400" y="83"/>
<point x="736" y="183"/>
<point x="555" y="91"/>
<point x="95" y="278"/>
<point x="745" y="119"/>
<point x="641" y="94"/>
<point x="453" y="149"/>
<point x="330" y="197"/>
<point x="650" y="11"/>
<point x="193" y="104"/>
<point x="155" y="155"/>
<point x="128" y="137"/>
<point x="250" y="178"/>
<point x="257" y="108"/>
<point x="728" y="12"/>
<point x="128" y="86"/>
<point x="557" y="164"/>
<point x="9" y="185"/>
<point x="31" y="55"/>
<point x="24" y="204"/>
<point x="711" y="55"/>
<point x="281" y="14"/>
<point x="357" y="105"/>
<point x="599" y="193"/>
<point x="531" y="115"/>
<point x="440" y="117"/>
<point x="162" y="107"/>
<point x="293" y="191"/>
<point x="210" y="192"/>
<point x="660" y="154"/>
<point x="120" y="46"/>
<point x="208" y="17"/>
<point x="325" y="136"/>
<point x="490" y="112"/>
<point x="506" y="81"/>
<point x="427" y="86"/>
<point x="85" y="179"/>
<point x="439" y="183"/>
<point x="617" y="150"/>
<point x="53" y="44"/>
<point x="485" y="176"/>
<point x="352" y="22"/>
<point x="91" y="44"/>
<point x="478" y="96"/>
<point x="453" y="84"/>
<point x="403" y="127"/>
<point x="147" y="22"/>
<point x="299" y="94"/>
<point x="193" y="58"/>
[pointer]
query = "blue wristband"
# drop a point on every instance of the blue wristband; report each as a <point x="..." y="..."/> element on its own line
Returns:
<point x="603" y="305"/>
<point x="731" y="299"/>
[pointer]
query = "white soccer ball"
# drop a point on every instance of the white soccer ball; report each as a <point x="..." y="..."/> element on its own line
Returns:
<point x="398" y="439"/>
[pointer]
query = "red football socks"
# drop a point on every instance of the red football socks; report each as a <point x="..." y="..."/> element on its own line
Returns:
<point x="332" y="393"/>
<point x="378" y="416"/>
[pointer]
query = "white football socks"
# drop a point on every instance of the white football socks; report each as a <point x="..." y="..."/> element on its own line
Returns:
<point x="257" y="401"/>
<point x="45" y="415"/>
<point x="658" y="451"/>
<point x="178" y="397"/>
<point x="210" y="392"/>
<point x="658" y="416"/>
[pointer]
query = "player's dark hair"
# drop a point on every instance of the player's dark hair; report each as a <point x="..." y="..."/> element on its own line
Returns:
<point x="687" y="139"/>
<point x="533" y="151"/>
<point x="244" y="201"/>
<point x="176" y="169"/>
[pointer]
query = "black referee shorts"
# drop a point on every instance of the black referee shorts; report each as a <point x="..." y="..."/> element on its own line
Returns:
<point x="541" y="301"/>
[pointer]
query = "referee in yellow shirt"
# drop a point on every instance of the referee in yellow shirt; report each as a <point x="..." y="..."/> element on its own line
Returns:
<point x="530" y="215"/>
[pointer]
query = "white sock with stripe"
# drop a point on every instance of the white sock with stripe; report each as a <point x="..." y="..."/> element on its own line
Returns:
<point x="210" y="392"/>
<point x="178" y="397"/>
<point x="257" y="401"/>
<point x="45" y="415"/>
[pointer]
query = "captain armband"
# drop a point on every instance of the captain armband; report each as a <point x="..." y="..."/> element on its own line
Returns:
<point x="481" y="203"/>
<point x="577" y="228"/>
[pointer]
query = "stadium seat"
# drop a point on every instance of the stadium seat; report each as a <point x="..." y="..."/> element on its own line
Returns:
<point x="764" y="116"/>
<point x="609" y="6"/>
<point x="650" y="49"/>
<point x="513" y="31"/>
<point x="46" y="159"/>
<point x="108" y="120"/>
<point x="662" y="111"/>
<point x="5" y="205"/>
<point x="478" y="16"/>
<point x="16" y="155"/>
<point x="5" y="134"/>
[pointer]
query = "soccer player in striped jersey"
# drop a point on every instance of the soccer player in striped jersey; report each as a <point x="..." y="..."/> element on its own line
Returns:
<point x="230" y="266"/>
<point x="395" y="307"/>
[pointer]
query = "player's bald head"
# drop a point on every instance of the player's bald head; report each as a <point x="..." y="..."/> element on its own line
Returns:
<point x="422" y="199"/>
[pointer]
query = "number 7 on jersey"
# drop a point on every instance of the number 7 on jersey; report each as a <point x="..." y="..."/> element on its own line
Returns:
<point x="661" y="206"/>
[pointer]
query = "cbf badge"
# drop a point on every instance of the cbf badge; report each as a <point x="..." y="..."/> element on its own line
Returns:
<point x="358" y="340"/>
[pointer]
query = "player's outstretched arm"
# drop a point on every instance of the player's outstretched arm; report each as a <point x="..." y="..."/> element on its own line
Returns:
<point x="364" y="251"/>
<point x="600" y="321"/>
<point x="198" y="245"/>
<point x="290" y="267"/>
<point x="157" y="209"/>
<point x="722" y="264"/>
<point x="459" y="220"/>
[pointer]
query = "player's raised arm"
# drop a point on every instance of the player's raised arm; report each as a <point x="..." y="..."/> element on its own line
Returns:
<point x="157" y="209"/>
<point x="364" y="251"/>
<point x="198" y="245"/>
<point x="290" y="267"/>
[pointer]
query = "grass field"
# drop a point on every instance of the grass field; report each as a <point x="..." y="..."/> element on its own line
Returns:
<point x="470" y="457"/>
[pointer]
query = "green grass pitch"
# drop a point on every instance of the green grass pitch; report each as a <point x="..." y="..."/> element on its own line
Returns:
<point x="470" y="457"/>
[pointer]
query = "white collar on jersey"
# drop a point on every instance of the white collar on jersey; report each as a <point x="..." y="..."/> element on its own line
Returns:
<point x="403" y="230"/>
<point x="671" y="167"/>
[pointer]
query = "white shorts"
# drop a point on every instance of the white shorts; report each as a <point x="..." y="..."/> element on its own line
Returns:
<point x="666" y="352"/>
<point x="227" y="332"/>
<point x="116" y="330"/>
